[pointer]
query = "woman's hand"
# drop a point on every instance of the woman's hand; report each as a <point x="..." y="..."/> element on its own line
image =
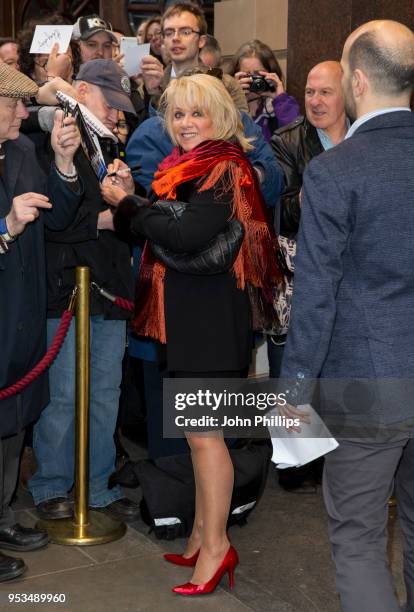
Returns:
<point x="112" y="193"/>
<point x="276" y="82"/>
<point x="122" y="176"/>
<point x="244" y="81"/>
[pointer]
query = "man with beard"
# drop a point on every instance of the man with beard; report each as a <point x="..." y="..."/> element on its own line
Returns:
<point x="103" y="87"/>
<point x="323" y="126"/>
<point x="353" y="314"/>
<point x="95" y="37"/>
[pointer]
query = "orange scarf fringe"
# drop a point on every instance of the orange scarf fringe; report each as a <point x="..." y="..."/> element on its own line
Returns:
<point x="256" y="263"/>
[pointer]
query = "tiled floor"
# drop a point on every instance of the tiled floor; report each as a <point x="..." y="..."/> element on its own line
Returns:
<point x="285" y="565"/>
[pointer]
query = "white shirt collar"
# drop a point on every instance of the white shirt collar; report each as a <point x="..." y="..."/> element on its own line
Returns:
<point x="371" y="115"/>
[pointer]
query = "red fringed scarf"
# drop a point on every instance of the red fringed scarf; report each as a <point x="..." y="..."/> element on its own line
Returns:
<point x="256" y="264"/>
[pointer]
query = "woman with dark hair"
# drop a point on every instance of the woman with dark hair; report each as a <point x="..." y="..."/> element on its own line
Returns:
<point x="43" y="67"/>
<point x="205" y="317"/>
<point x="153" y="37"/>
<point x="141" y="32"/>
<point x="256" y="68"/>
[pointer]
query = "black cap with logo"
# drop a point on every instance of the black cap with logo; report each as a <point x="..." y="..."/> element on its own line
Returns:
<point x="111" y="79"/>
<point x="88" y="25"/>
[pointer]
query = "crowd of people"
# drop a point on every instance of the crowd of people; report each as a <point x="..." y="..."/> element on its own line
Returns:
<point x="314" y="214"/>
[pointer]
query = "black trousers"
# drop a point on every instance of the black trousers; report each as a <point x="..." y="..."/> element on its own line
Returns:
<point x="10" y="449"/>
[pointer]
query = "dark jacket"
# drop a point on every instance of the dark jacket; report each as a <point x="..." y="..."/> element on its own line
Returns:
<point x="23" y="283"/>
<point x="81" y="244"/>
<point x="207" y="318"/>
<point x="353" y="303"/>
<point x="294" y="146"/>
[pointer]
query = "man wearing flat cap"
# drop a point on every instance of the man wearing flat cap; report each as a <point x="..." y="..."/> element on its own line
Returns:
<point x="103" y="87"/>
<point x="29" y="203"/>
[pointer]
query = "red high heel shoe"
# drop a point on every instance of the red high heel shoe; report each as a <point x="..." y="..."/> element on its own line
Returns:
<point x="227" y="565"/>
<point x="180" y="560"/>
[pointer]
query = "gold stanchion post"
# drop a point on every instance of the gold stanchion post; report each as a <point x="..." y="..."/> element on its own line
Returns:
<point x="87" y="527"/>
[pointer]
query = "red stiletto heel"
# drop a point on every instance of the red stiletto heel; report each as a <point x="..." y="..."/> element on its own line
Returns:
<point x="180" y="560"/>
<point x="231" y="578"/>
<point x="227" y="565"/>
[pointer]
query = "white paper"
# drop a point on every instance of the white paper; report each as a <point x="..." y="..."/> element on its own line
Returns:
<point x="46" y="36"/>
<point x="133" y="53"/>
<point x="293" y="449"/>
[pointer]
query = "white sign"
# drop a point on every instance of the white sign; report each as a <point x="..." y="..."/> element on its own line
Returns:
<point x="133" y="53"/>
<point x="46" y="36"/>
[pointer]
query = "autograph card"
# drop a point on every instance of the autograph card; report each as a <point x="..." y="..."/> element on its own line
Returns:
<point x="133" y="53"/>
<point x="46" y="36"/>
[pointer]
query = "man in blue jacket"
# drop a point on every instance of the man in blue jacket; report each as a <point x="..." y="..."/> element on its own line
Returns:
<point x="353" y="313"/>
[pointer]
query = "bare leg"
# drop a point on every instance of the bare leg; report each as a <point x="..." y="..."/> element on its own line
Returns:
<point x="194" y="541"/>
<point x="214" y="474"/>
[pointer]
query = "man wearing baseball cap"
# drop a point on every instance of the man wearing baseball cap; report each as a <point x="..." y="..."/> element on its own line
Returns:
<point x="95" y="37"/>
<point x="112" y="81"/>
<point x="102" y="86"/>
<point x="25" y="212"/>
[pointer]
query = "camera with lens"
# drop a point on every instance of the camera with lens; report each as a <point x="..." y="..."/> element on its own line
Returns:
<point x="260" y="85"/>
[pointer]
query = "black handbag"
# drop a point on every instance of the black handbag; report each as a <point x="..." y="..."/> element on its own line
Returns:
<point x="216" y="256"/>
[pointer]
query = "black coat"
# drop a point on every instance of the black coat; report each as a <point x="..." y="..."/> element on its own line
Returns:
<point x="294" y="145"/>
<point x="208" y="322"/>
<point x="81" y="244"/>
<point x="23" y="283"/>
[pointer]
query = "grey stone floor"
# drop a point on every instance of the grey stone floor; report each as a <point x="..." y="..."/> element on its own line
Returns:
<point x="285" y="565"/>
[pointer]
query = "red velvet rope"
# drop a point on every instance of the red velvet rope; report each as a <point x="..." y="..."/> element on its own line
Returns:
<point x="53" y="350"/>
<point x="125" y="304"/>
<point x="45" y="362"/>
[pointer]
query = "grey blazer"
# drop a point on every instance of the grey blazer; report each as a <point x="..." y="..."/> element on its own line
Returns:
<point x="353" y="302"/>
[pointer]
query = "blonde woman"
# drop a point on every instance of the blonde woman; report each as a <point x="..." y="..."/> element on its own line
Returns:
<point x="205" y="319"/>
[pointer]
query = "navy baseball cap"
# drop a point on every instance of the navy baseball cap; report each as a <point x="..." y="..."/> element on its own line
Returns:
<point x="88" y="25"/>
<point x="111" y="79"/>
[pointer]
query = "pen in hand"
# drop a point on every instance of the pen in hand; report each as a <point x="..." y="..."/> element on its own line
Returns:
<point x="131" y="169"/>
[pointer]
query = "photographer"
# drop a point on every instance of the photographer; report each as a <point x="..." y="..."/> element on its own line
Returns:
<point x="259" y="74"/>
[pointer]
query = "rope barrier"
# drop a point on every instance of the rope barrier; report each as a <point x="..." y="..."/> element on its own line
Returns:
<point x="124" y="304"/>
<point x="57" y="342"/>
<point x="45" y="362"/>
<point x="118" y="301"/>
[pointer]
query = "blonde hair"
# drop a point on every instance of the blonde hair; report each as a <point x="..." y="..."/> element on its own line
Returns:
<point x="207" y="94"/>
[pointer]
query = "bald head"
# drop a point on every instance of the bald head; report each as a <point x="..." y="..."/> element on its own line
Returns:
<point x="324" y="100"/>
<point x="330" y="70"/>
<point x="384" y="52"/>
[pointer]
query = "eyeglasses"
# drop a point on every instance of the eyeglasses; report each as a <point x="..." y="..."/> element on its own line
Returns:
<point x="182" y="32"/>
<point x="122" y="126"/>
